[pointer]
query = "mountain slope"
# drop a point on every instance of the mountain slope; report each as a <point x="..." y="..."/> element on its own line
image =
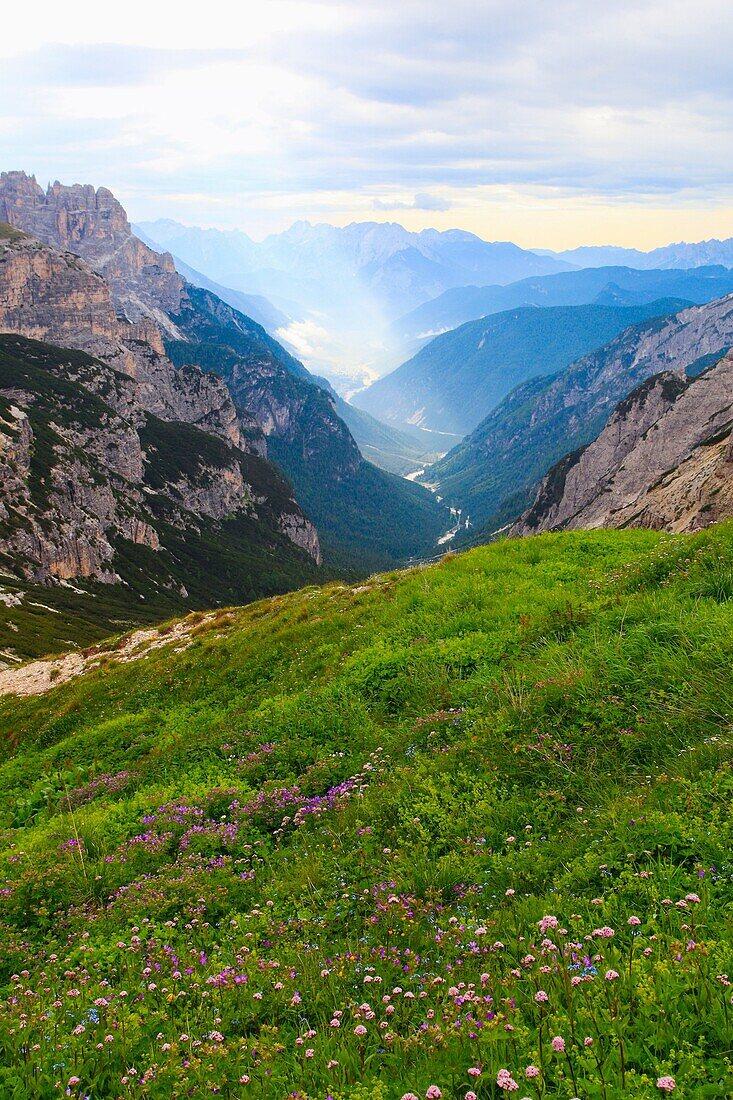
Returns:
<point x="458" y="378"/>
<point x="604" y="285"/>
<point x="391" y="448"/>
<point x="138" y="517"/>
<point x="366" y="518"/>
<point x="252" y="305"/>
<point x="405" y="807"/>
<point x="663" y="460"/>
<point x="304" y="434"/>
<point x="492" y="474"/>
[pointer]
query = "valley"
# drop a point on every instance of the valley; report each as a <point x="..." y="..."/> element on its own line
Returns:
<point x="367" y="743"/>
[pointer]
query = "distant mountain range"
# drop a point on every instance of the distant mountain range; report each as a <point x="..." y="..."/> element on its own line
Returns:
<point x="681" y="254"/>
<point x="603" y="285"/>
<point x="307" y="263"/>
<point x="340" y="288"/>
<point x="459" y="377"/>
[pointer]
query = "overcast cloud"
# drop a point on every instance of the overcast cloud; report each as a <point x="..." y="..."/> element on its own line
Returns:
<point x="551" y="123"/>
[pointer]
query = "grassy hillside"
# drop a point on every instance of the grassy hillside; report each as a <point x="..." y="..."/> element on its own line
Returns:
<point x="456" y="829"/>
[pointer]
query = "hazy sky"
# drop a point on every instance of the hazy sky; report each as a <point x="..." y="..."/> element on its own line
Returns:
<point x="549" y="122"/>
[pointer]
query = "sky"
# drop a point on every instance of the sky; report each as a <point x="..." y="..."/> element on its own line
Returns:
<point x="552" y="124"/>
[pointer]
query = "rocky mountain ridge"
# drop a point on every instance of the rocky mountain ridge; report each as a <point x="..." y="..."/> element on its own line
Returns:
<point x="86" y="456"/>
<point x="664" y="460"/>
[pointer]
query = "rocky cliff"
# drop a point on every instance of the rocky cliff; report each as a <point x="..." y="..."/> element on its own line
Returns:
<point x="664" y="460"/>
<point x="79" y="478"/>
<point x="92" y="223"/>
<point x="54" y="296"/>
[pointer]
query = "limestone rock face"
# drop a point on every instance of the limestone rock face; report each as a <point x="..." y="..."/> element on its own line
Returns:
<point x="53" y="296"/>
<point x="94" y="225"/>
<point x="83" y="466"/>
<point x="664" y="460"/>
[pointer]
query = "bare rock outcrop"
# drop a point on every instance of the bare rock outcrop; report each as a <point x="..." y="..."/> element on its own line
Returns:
<point x="93" y="224"/>
<point x="663" y="460"/>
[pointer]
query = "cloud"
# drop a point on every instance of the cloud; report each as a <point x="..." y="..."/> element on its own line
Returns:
<point x="334" y="107"/>
<point x="421" y="201"/>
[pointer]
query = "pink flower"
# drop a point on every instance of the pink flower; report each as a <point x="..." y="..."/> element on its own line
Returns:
<point x="541" y="997"/>
<point x="470" y="1095"/>
<point x="666" y="1084"/>
<point x="474" y="1071"/>
<point x="360" y="1030"/>
<point x="433" y="1093"/>
<point x="558" y="1044"/>
<point x="310" y="1052"/>
<point x="74" y="1081"/>
<point x="547" y="923"/>
<point x="531" y="1071"/>
<point x="408" y="1096"/>
<point x="505" y="1080"/>
<point x="587" y="1042"/>
<point x="611" y="975"/>
<point x="634" y="922"/>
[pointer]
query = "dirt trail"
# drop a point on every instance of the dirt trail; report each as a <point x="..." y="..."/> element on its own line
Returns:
<point x="39" y="676"/>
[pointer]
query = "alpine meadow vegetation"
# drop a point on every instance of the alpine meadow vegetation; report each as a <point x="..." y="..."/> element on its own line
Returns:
<point x="462" y="831"/>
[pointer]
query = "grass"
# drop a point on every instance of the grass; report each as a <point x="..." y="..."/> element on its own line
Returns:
<point x="360" y="841"/>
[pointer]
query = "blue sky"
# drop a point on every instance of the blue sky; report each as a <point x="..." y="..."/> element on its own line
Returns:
<point x="552" y="124"/>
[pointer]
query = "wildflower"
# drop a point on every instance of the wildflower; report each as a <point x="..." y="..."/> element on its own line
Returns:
<point x="505" y="1080"/>
<point x="611" y="975"/>
<point x="558" y="1044"/>
<point x="433" y="1093"/>
<point x="547" y="922"/>
<point x="666" y="1084"/>
<point x="541" y="997"/>
<point x="360" y="1030"/>
<point x="310" y="1052"/>
<point x="532" y="1071"/>
<point x="474" y="1071"/>
<point x="74" y="1081"/>
<point x="634" y="922"/>
<point x="587" y="1042"/>
<point x="470" y="1095"/>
